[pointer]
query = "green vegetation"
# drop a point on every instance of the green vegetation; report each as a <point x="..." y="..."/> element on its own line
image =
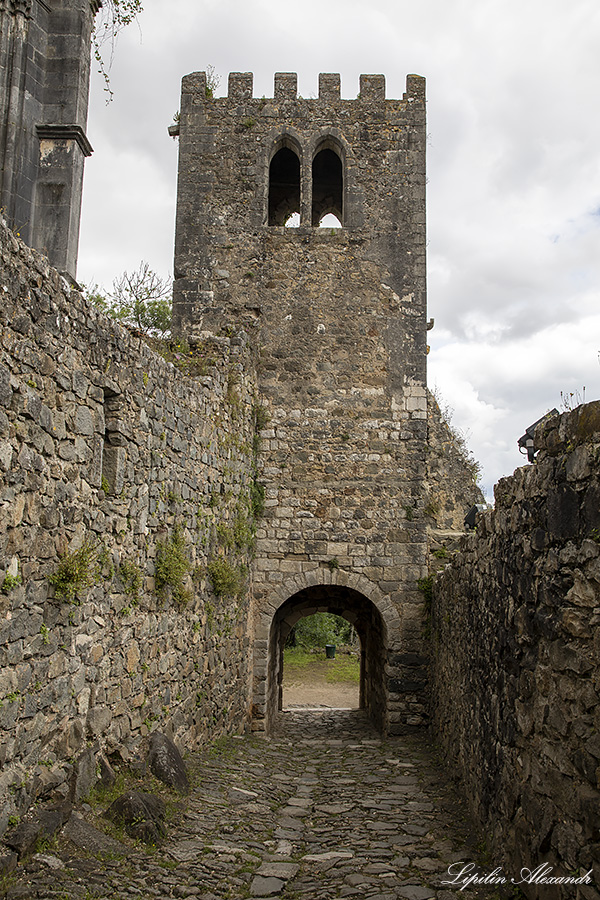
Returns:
<point x="432" y="508"/>
<point x="425" y="585"/>
<point x="75" y="572"/>
<point x="171" y="567"/>
<point x="257" y="499"/>
<point x="212" y="82"/>
<point x="131" y="578"/>
<point x="227" y="579"/>
<point x="320" y="629"/>
<point x="458" y="439"/>
<point x="140" y="299"/>
<point x="344" y="668"/>
<point x="261" y="416"/>
<point x="10" y="583"/>
<point x="194" y="360"/>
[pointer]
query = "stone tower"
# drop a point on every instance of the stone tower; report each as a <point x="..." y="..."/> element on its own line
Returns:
<point x="338" y="318"/>
<point x="44" y="88"/>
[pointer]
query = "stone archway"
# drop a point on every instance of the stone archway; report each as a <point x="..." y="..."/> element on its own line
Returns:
<point x="354" y="597"/>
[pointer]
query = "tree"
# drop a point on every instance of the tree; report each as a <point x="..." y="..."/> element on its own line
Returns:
<point x="114" y="15"/>
<point x="140" y="299"/>
<point x="320" y="629"/>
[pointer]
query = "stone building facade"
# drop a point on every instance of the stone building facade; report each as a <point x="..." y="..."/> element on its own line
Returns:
<point x="44" y="88"/>
<point x="337" y="317"/>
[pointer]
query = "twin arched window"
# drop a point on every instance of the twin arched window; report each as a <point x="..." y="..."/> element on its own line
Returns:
<point x="327" y="180"/>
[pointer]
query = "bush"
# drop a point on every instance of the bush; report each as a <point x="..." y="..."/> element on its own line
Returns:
<point x="131" y="579"/>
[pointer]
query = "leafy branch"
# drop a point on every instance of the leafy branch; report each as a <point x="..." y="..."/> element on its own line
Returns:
<point x="140" y="299"/>
<point x="114" y="15"/>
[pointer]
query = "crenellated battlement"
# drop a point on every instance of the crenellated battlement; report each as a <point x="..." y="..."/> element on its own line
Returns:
<point x="240" y="87"/>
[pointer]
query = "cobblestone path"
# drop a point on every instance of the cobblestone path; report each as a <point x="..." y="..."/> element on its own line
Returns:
<point x="325" y="808"/>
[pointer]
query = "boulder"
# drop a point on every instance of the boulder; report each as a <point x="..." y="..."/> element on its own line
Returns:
<point x="40" y="825"/>
<point x="165" y="762"/>
<point x="142" y="815"/>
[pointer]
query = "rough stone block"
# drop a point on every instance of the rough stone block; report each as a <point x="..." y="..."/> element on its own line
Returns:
<point x="372" y="87"/>
<point x="286" y="86"/>
<point x="165" y="761"/>
<point x="240" y="85"/>
<point x="329" y="86"/>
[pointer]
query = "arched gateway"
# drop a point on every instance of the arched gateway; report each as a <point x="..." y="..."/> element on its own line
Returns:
<point x="378" y="624"/>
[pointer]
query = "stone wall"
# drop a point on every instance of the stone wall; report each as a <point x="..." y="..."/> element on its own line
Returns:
<point x="123" y="484"/>
<point x="515" y="676"/>
<point x="451" y="474"/>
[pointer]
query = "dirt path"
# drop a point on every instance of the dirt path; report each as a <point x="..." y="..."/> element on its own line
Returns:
<point x="309" y="688"/>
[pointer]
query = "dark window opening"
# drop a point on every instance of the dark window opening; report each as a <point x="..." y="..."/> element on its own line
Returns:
<point x="328" y="186"/>
<point x="113" y="451"/>
<point x="284" y="186"/>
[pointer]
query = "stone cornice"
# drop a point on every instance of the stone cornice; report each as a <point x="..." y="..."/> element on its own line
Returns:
<point x="65" y="133"/>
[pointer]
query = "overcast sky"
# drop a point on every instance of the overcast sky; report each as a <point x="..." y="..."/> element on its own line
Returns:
<point x="513" y="165"/>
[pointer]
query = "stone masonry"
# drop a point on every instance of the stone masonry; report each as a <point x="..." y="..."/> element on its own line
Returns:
<point x="111" y="460"/>
<point x="515" y="658"/>
<point x="44" y="87"/>
<point x="337" y="319"/>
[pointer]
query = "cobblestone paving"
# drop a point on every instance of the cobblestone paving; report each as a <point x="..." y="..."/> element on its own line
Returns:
<point x="323" y="809"/>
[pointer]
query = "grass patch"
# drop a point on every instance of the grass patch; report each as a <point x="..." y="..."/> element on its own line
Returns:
<point x="343" y="668"/>
<point x="297" y="658"/>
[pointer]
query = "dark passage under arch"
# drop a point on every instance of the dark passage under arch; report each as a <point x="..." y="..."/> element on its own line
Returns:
<point x="355" y="608"/>
<point x="284" y="186"/>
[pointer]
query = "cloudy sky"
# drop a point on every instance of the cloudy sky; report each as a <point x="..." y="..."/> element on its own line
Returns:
<point x="513" y="164"/>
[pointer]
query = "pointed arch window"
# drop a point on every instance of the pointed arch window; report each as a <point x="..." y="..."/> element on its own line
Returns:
<point x="327" y="185"/>
<point x="284" y="186"/>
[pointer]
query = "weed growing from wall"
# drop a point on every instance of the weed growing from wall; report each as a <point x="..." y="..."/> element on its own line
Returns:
<point x="130" y="577"/>
<point x="227" y="579"/>
<point x="76" y="571"/>
<point x="257" y="499"/>
<point x="171" y="567"/>
<point x="10" y="583"/>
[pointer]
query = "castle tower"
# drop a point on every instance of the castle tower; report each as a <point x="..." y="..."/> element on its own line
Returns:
<point x="338" y="316"/>
<point x="44" y="88"/>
